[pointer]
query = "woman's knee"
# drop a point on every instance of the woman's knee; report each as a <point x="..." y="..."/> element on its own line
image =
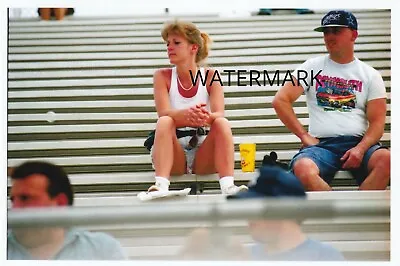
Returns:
<point x="221" y="124"/>
<point x="165" y="123"/>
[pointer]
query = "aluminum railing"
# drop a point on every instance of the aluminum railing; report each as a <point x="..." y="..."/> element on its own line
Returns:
<point x="163" y="212"/>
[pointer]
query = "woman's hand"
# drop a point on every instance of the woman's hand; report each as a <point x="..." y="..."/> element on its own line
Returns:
<point x="198" y="115"/>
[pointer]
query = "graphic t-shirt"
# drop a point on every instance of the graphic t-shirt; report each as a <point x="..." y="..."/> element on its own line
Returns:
<point x="337" y="95"/>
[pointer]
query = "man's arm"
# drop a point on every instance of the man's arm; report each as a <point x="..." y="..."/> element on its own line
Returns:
<point x="376" y="115"/>
<point x="283" y="105"/>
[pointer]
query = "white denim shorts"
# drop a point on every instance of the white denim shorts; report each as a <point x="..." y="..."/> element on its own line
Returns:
<point x="189" y="153"/>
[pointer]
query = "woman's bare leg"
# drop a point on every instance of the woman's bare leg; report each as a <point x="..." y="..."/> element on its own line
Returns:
<point x="168" y="156"/>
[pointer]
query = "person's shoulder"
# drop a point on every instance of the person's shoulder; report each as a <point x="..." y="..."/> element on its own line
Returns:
<point x="313" y="62"/>
<point x="100" y="243"/>
<point x="209" y="69"/>
<point x="366" y="67"/>
<point x="163" y="72"/>
<point x="162" y="77"/>
<point x="211" y="75"/>
<point x="326" y="251"/>
<point x="317" y="243"/>
<point x="98" y="239"/>
<point x="210" y="72"/>
<point x="94" y="236"/>
<point x="317" y="59"/>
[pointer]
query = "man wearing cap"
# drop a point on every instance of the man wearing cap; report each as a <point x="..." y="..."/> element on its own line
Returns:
<point x="282" y="240"/>
<point x="347" y="111"/>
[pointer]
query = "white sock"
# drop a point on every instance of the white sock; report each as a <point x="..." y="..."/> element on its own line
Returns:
<point x="162" y="182"/>
<point x="226" y="182"/>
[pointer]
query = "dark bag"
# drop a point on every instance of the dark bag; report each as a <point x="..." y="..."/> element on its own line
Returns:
<point x="272" y="160"/>
<point x="148" y="143"/>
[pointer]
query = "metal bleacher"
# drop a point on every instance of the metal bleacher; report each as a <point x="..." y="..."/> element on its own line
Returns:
<point x="80" y="95"/>
<point x="80" y="91"/>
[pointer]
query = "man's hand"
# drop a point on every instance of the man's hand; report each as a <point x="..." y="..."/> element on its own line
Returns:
<point x="352" y="158"/>
<point x="308" y="140"/>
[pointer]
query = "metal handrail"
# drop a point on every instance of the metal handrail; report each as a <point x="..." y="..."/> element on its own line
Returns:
<point x="161" y="212"/>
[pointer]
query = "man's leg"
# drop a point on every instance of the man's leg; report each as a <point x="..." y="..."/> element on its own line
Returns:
<point x="60" y="13"/>
<point x="315" y="166"/>
<point x="45" y="13"/>
<point x="307" y="171"/>
<point x="378" y="170"/>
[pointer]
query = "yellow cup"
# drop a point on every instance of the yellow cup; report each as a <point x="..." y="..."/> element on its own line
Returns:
<point x="247" y="156"/>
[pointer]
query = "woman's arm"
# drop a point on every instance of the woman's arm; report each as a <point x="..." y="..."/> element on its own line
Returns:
<point x="217" y="102"/>
<point x="191" y="117"/>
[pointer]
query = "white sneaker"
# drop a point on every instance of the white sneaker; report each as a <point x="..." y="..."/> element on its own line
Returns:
<point x="156" y="187"/>
<point x="234" y="189"/>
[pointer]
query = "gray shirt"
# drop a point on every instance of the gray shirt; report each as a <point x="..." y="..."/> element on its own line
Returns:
<point x="309" y="250"/>
<point x="78" y="245"/>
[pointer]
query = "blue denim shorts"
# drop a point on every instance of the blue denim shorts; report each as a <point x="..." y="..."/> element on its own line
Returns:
<point x="327" y="153"/>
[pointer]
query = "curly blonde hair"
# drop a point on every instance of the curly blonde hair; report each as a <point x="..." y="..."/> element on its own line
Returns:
<point x="192" y="34"/>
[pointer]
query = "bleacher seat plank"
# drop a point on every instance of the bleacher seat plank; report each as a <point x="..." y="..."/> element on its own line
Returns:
<point x="230" y="37"/>
<point x="380" y="65"/>
<point x="154" y="29"/>
<point x="210" y="19"/>
<point x="138" y="115"/>
<point x="128" y="103"/>
<point x="161" y="54"/>
<point x="161" y="46"/>
<point x="164" y="62"/>
<point x="129" y="198"/>
<point x="209" y="25"/>
<point x="57" y="31"/>
<point x="138" y="142"/>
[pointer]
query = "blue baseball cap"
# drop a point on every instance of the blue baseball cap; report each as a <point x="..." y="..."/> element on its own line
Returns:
<point x="338" y="18"/>
<point x="272" y="181"/>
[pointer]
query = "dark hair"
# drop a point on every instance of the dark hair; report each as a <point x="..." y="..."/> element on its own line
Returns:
<point x="57" y="177"/>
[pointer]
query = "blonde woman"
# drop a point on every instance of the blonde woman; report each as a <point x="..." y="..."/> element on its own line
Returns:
<point x="192" y="135"/>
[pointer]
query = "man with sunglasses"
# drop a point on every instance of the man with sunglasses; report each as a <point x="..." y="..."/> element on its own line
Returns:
<point x="347" y="110"/>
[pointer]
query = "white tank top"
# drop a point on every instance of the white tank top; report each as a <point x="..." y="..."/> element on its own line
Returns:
<point x="177" y="101"/>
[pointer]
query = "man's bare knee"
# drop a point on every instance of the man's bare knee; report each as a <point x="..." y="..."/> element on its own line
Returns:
<point x="305" y="169"/>
<point x="381" y="162"/>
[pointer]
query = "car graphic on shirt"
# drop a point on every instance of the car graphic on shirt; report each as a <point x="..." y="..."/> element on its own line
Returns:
<point x="342" y="102"/>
